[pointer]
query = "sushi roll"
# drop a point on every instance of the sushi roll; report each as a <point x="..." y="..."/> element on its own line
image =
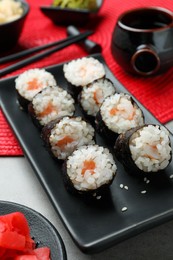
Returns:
<point x="81" y="72"/>
<point x="92" y="96"/>
<point x="50" y="103"/>
<point x="117" y="114"/>
<point x="64" y="135"/>
<point x="30" y="82"/>
<point x="144" y="150"/>
<point x="89" y="170"/>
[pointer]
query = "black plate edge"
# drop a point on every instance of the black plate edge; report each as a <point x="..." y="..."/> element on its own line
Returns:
<point x="135" y="230"/>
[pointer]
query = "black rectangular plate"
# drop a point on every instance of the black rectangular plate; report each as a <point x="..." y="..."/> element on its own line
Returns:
<point x="93" y="226"/>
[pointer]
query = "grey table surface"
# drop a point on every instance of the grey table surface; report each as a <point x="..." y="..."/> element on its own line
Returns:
<point x="19" y="184"/>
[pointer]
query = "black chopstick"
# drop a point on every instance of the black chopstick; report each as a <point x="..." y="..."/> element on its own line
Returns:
<point x="24" y="53"/>
<point x="66" y="42"/>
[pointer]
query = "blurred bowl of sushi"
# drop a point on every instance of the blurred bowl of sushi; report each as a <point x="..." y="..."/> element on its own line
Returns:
<point x="76" y="12"/>
<point x="13" y="14"/>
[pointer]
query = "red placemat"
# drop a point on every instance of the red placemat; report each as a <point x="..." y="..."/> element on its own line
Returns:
<point x="155" y="93"/>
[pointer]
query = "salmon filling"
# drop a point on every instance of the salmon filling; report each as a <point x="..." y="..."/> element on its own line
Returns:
<point x="48" y="110"/>
<point x="125" y="109"/>
<point x="64" y="141"/>
<point x="34" y="84"/>
<point x="89" y="165"/>
<point x="98" y="96"/>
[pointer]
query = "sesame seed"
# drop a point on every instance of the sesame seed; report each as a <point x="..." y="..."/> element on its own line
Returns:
<point x="121" y="186"/>
<point x="145" y="179"/>
<point x="124" y="209"/>
<point x="171" y="176"/>
<point x="98" y="197"/>
<point x="148" y="181"/>
<point x="126" y="187"/>
<point x="143" y="191"/>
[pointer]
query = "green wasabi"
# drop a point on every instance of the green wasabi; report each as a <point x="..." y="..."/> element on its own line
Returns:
<point x="76" y="4"/>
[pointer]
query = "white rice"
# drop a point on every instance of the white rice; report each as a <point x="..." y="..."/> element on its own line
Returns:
<point x="23" y="82"/>
<point x="61" y="102"/>
<point x="81" y="132"/>
<point x="126" y="116"/>
<point x="83" y="71"/>
<point x="150" y="148"/>
<point x="93" y="95"/>
<point x="103" y="173"/>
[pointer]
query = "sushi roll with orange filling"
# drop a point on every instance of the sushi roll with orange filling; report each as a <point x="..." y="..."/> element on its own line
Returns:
<point x="92" y="96"/>
<point x="144" y="150"/>
<point x="50" y="103"/>
<point x="117" y="114"/>
<point x="66" y="134"/>
<point x="81" y="72"/>
<point x="89" y="170"/>
<point x="30" y="82"/>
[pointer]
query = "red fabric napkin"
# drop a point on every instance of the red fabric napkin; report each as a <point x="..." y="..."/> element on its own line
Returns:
<point x="155" y="93"/>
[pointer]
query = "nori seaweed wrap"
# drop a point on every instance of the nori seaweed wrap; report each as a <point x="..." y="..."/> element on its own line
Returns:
<point x="144" y="150"/>
<point x="92" y="96"/>
<point x="63" y="135"/>
<point x="89" y="171"/>
<point x="117" y="114"/>
<point x="49" y="104"/>
<point x="30" y="82"/>
<point x="81" y="72"/>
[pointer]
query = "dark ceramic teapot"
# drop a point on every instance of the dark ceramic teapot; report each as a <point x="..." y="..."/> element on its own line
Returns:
<point x="142" y="41"/>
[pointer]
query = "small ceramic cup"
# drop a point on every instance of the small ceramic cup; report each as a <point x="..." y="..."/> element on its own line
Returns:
<point x="142" y="41"/>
